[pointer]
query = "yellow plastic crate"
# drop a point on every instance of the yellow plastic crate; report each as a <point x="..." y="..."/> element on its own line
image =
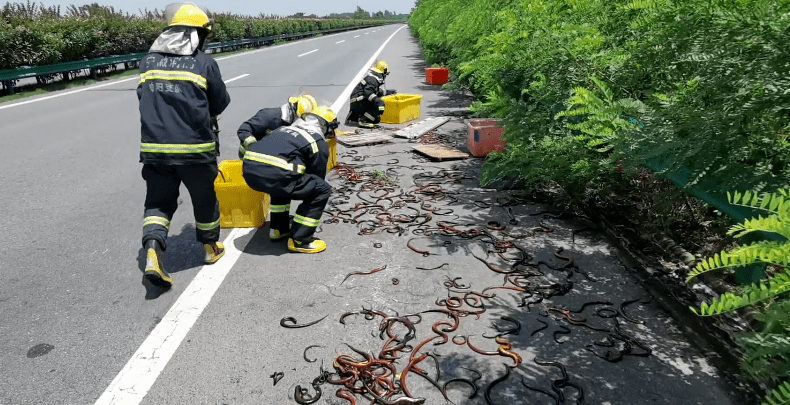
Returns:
<point x="400" y="108"/>
<point x="332" y="162"/>
<point x="239" y="205"/>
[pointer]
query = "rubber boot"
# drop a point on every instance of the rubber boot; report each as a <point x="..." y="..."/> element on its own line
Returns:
<point x="154" y="270"/>
<point x="214" y="252"/>
<point x="365" y="124"/>
<point x="313" y="246"/>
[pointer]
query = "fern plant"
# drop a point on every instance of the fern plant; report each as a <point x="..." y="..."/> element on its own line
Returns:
<point x="768" y="252"/>
<point x="779" y="396"/>
<point x="767" y="353"/>
<point x="604" y="124"/>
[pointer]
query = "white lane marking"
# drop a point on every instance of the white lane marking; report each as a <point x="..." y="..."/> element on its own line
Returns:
<point x="307" y="53"/>
<point x="347" y="92"/>
<point x="237" y="78"/>
<point x="87" y="88"/>
<point x="340" y="42"/>
<point x="142" y="370"/>
<point x="68" y="93"/>
<point x="356" y="36"/>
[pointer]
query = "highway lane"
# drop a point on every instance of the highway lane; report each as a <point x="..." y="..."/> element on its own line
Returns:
<point x="71" y="207"/>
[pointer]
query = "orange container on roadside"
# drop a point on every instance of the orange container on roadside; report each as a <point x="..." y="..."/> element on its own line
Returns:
<point x="437" y="75"/>
<point x="484" y="136"/>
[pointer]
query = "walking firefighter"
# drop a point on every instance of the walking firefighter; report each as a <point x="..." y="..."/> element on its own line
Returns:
<point x="181" y="93"/>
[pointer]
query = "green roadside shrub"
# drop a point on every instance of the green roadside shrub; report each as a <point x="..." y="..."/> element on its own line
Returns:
<point x="712" y="78"/>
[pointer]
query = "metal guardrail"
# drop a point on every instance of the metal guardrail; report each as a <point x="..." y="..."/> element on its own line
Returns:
<point x="9" y="77"/>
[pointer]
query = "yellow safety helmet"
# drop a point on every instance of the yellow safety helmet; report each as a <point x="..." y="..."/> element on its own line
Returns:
<point x="329" y="116"/>
<point x="186" y="14"/>
<point x="304" y="104"/>
<point x="381" y="67"/>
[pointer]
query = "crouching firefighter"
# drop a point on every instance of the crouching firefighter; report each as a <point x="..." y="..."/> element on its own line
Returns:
<point x="267" y="120"/>
<point x="290" y="164"/>
<point x="180" y="92"/>
<point x="366" y="104"/>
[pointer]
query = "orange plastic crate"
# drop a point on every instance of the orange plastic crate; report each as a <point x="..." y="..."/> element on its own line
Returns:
<point x="437" y="75"/>
<point x="484" y="136"/>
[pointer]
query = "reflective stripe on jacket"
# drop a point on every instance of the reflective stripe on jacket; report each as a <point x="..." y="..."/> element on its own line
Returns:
<point x="294" y="149"/>
<point x="178" y="96"/>
<point x="368" y="87"/>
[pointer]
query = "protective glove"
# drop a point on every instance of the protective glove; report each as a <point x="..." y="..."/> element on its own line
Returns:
<point x="215" y="125"/>
<point x="391" y="92"/>
<point x="246" y="145"/>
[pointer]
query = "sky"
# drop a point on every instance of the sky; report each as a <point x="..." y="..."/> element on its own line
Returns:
<point x="247" y="7"/>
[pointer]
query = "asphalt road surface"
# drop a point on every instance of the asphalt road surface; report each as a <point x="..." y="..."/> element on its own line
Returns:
<point x="79" y="326"/>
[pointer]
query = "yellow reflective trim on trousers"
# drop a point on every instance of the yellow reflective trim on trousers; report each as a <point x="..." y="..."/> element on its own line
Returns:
<point x="156" y="221"/>
<point x="207" y="226"/>
<point x="280" y="208"/>
<point x="178" y="148"/>
<point x="173" y="75"/>
<point x="274" y="161"/>
<point x="306" y="221"/>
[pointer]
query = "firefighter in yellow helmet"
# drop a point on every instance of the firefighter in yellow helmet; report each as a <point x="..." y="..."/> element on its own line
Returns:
<point x="181" y="93"/>
<point x="267" y="120"/>
<point x="366" y="104"/>
<point x="290" y="164"/>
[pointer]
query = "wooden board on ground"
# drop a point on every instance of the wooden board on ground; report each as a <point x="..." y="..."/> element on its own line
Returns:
<point x="368" y="138"/>
<point x="440" y="152"/>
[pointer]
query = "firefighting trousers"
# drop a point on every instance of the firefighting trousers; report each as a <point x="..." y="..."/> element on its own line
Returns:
<point x="369" y="111"/>
<point x="284" y="186"/>
<point x="161" y="200"/>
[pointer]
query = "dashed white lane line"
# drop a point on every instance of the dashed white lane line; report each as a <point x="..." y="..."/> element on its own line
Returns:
<point x="136" y="77"/>
<point x="307" y="53"/>
<point x="340" y="42"/>
<point x="237" y="78"/>
<point x="142" y="370"/>
<point x="2" y="107"/>
<point x="139" y="374"/>
<point x="356" y="36"/>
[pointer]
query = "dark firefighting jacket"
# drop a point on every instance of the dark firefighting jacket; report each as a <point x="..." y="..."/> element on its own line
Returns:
<point x="369" y="88"/>
<point x="265" y="121"/>
<point x="178" y="96"/>
<point x="295" y="150"/>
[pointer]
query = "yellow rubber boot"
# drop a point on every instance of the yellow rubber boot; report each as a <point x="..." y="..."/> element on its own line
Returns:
<point x="214" y="252"/>
<point x="154" y="270"/>
<point x="316" y="246"/>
